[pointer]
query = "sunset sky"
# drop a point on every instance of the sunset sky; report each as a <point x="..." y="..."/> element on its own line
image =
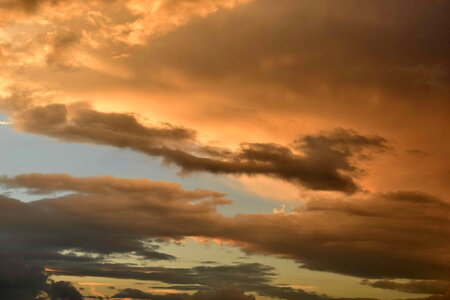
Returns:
<point x="225" y="149"/>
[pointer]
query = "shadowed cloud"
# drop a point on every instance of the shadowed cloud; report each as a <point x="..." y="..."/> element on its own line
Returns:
<point x="435" y="287"/>
<point x="391" y="235"/>
<point x="327" y="161"/>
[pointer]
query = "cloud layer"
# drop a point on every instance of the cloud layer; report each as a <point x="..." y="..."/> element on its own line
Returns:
<point x="327" y="161"/>
<point x="394" y="235"/>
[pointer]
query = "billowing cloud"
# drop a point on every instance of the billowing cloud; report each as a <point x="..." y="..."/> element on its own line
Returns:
<point x="295" y="68"/>
<point x="261" y="88"/>
<point x="159" y="209"/>
<point x="327" y="161"/>
<point x="392" y="235"/>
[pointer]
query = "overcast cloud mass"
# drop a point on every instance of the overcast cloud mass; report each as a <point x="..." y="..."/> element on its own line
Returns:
<point x="224" y="150"/>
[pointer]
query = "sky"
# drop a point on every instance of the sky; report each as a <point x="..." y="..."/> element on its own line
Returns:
<point x="224" y="149"/>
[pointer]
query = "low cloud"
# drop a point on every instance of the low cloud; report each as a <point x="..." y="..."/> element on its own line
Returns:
<point x="221" y="294"/>
<point x="391" y="235"/>
<point x="436" y="287"/>
<point x="20" y="280"/>
<point x="91" y="214"/>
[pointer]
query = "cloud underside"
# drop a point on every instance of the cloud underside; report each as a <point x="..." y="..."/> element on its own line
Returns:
<point x="326" y="161"/>
<point x="393" y="235"/>
<point x="434" y="287"/>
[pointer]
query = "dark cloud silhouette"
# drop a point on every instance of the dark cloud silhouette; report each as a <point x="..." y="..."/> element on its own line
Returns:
<point x="18" y="280"/>
<point x="156" y="205"/>
<point x="249" y="277"/>
<point x="209" y="282"/>
<point x="327" y="161"/>
<point x="63" y="290"/>
<point x="138" y="294"/>
<point x="288" y="293"/>
<point x="221" y="294"/>
<point x="232" y="293"/>
<point x="438" y="287"/>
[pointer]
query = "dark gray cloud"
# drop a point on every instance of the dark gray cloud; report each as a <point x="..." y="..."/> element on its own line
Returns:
<point x="247" y="276"/>
<point x="220" y="294"/>
<point x="63" y="290"/>
<point x="218" y="282"/>
<point x="18" y="280"/>
<point x="155" y="206"/>
<point x="22" y="280"/>
<point x="437" y="287"/>
<point x="392" y="235"/>
<point x="327" y="161"/>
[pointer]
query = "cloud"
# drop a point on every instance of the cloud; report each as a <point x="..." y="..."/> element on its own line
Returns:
<point x="160" y="17"/>
<point x="335" y="50"/>
<point x="19" y="281"/>
<point x="216" y="282"/>
<point x="221" y="294"/>
<point x="64" y="290"/>
<point x="327" y="161"/>
<point x="340" y="70"/>
<point x="28" y="5"/>
<point x="158" y="209"/>
<point x="148" y="18"/>
<point x="250" y="276"/>
<point x="437" y="287"/>
<point x="233" y="293"/>
<point x="390" y="235"/>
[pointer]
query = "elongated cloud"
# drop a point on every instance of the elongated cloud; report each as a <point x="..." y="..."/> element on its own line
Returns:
<point x="435" y="287"/>
<point x="163" y="210"/>
<point x="221" y="294"/>
<point x="325" y="161"/>
<point x="392" y="235"/>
